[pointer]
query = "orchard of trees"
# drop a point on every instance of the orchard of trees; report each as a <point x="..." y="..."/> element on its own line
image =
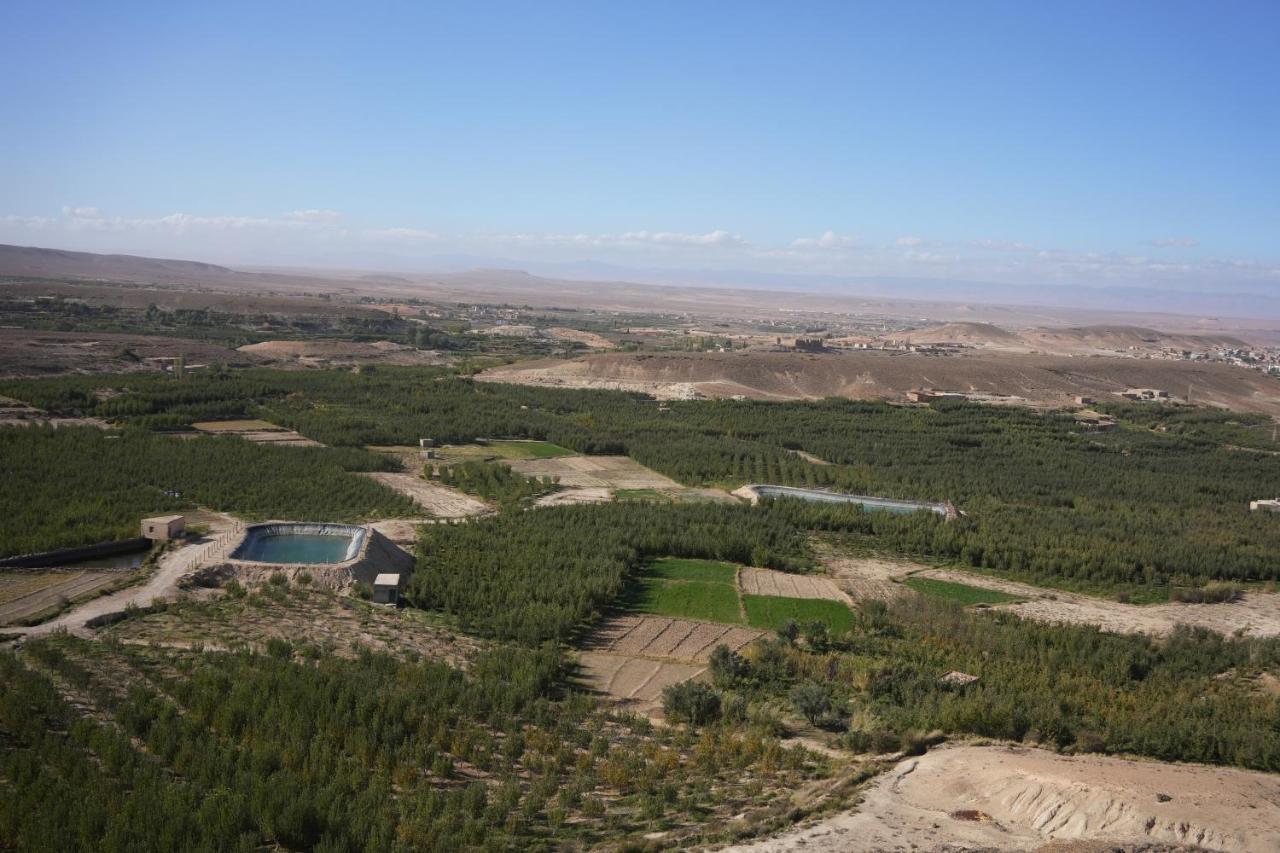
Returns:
<point x="538" y="576"/>
<point x="211" y="751"/>
<point x="493" y="481"/>
<point x="1190" y="697"/>
<point x="1161" y="501"/>
<point x="80" y="485"/>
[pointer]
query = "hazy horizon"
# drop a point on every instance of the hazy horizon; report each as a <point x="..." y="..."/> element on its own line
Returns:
<point x="1029" y="148"/>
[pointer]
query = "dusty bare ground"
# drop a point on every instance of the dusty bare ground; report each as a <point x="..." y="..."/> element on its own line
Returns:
<point x="439" y="501"/>
<point x="635" y="684"/>
<point x="865" y="577"/>
<point x="327" y="353"/>
<point x="770" y="582"/>
<point x="25" y="594"/>
<point x="17" y="413"/>
<point x="1255" y="614"/>
<point x="575" y="496"/>
<point x="609" y="473"/>
<point x="25" y="352"/>
<point x="1012" y="798"/>
<point x="259" y="432"/>
<point x="590" y="339"/>
<point x="333" y="623"/>
<point x="1045" y="380"/>
<point x="632" y="658"/>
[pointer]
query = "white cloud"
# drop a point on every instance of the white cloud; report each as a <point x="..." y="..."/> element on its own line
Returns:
<point x="1174" y="242"/>
<point x="675" y="238"/>
<point x="828" y="240"/>
<point x="909" y="241"/>
<point x="313" y="214"/>
<point x="1004" y="245"/>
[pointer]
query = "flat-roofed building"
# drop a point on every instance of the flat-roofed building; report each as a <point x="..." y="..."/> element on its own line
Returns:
<point x="164" y="527"/>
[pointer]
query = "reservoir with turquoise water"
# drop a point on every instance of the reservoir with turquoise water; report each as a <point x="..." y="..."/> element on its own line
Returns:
<point x="299" y="543"/>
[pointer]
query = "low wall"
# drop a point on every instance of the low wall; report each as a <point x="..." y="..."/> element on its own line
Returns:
<point x="47" y="559"/>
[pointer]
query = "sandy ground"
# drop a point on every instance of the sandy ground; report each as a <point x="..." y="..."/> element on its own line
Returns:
<point x="28" y="352"/>
<point x="583" y="478"/>
<point x="1012" y="798"/>
<point x="589" y="339"/>
<point x="326" y="353"/>
<point x="866" y="577"/>
<point x="635" y="684"/>
<point x="575" y="496"/>
<point x="259" y="432"/>
<point x="632" y="658"/>
<point x="439" y="501"/>
<point x="163" y="583"/>
<point x="1041" y="380"/>
<point x="1255" y="614"/>
<point x="769" y="582"/>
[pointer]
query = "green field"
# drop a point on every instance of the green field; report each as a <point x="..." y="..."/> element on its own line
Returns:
<point x="712" y="602"/>
<point x="707" y="571"/>
<point x="527" y="449"/>
<point x="643" y="495"/>
<point x="959" y="592"/>
<point x="769" y="612"/>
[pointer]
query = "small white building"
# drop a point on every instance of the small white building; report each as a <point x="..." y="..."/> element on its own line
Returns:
<point x="386" y="589"/>
<point x="164" y="527"/>
<point x="1271" y="505"/>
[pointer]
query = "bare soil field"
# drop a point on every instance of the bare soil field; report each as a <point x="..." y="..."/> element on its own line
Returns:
<point x="439" y="501"/>
<point x="338" y="353"/>
<point x="589" y="339"/>
<point x="866" y="577"/>
<point x="24" y="352"/>
<point x="661" y="637"/>
<point x="610" y="473"/>
<point x="1014" y="798"/>
<point x="1043" y="380"/>
<point x="633" y="658"/>
<point x="260" y="432"/>
<point x="770" y="582"/>
<point x="24" y="594"/>
<point x="17" y="413"/>
<point x="635" y="684"/>
<point x="1254" y="614"/>
<point x="333" y="623"/>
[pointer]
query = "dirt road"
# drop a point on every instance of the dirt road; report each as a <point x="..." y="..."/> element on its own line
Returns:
<point x="163" y="583"/>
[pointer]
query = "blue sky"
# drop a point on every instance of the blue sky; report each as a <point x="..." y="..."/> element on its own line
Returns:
<point x="1136" y="143"/>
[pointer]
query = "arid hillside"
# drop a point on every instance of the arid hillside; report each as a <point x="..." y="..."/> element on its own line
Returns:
<point x="1068" y="340"/>
<point x="1034" y="379"/>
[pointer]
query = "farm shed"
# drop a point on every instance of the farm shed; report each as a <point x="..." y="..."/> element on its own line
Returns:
<point x="164" y="527"/>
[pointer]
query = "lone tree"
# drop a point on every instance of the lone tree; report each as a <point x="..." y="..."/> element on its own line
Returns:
<point x="691" y="702"/>
<point x="727" y="666"/>
<point x="815" y="701"/>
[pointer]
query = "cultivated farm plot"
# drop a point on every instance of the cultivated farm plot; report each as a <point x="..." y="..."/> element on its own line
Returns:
<point x="613" y="473"/>
<point x="439" y="501"/>
<point x="24" y="594"/>
<point x="770" y="612"/>
<point x="260" y="432"/>
<point x="787" y="585"/>
<point x="660" y="637"/>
